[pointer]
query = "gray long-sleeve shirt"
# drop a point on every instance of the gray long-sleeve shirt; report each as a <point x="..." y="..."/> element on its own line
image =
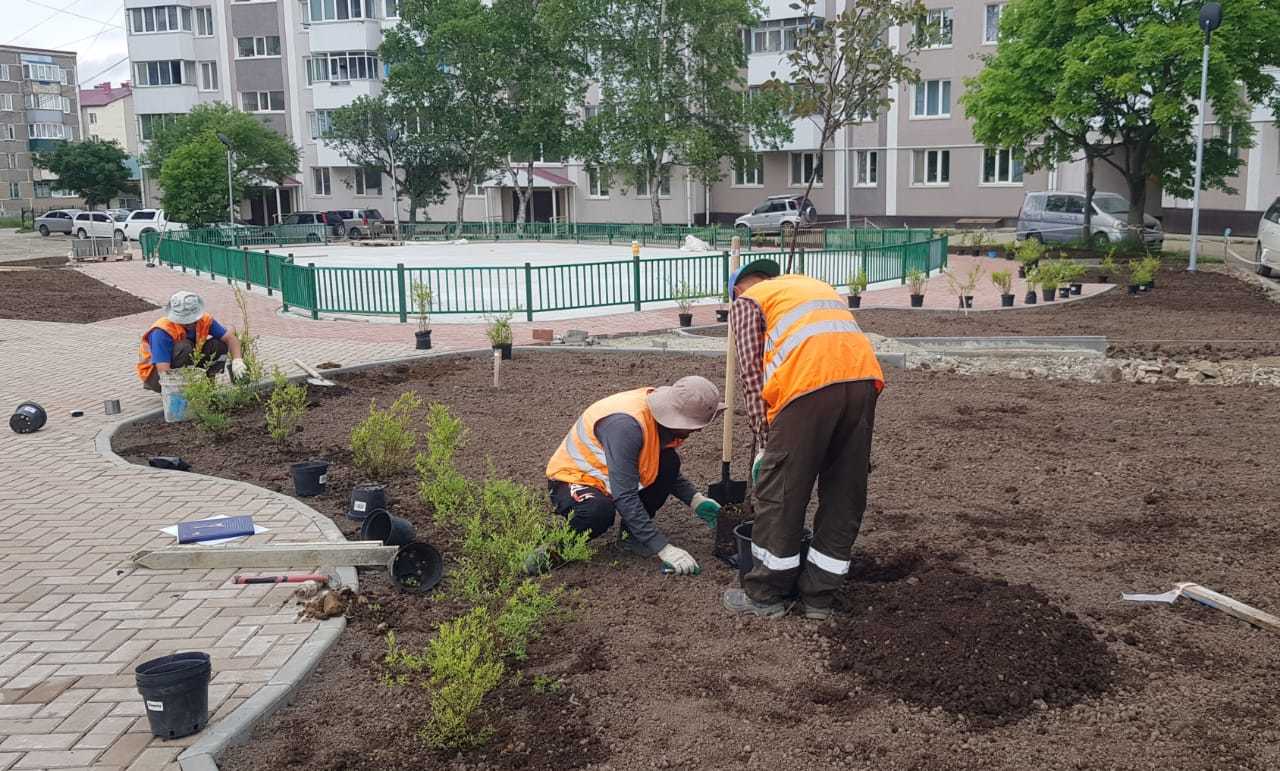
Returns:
<point x="622" y="439"/>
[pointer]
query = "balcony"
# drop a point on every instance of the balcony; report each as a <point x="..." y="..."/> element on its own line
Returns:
<point x="44" y="145"/>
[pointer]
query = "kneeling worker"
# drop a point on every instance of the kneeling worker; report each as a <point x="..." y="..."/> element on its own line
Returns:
<point x="810" y="380"/>
<point x="620" y="458"/>
<point x="185" y="331"/>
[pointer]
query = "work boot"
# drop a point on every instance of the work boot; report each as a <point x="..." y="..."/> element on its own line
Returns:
<point x="739" y="602"/>
<point x="814" y="613"/>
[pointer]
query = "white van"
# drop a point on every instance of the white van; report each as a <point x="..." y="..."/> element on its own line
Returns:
<point x="1059" y="218"/>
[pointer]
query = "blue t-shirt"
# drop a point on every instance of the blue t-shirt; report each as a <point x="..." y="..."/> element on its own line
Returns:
<point x="162" y="344"/>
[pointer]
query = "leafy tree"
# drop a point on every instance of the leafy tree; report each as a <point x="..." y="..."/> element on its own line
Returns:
<point x="1129" y="71"/>
<point x="259" y="151"/>
<point x="194" y="179"/>
<point x="671" y="89"/>
<point x="842" y="70"/>
<point x="422" y="160"/>
<point x="94" y="169"/>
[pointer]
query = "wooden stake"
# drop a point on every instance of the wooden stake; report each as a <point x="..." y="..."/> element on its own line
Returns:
<point x="1231" y="607"/>
<point x="497" y="368"/>
<point x="730" y="362"/>
<point x="271" y="555"/>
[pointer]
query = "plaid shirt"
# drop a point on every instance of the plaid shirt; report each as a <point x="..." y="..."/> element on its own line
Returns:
<point x="747" y="321"/>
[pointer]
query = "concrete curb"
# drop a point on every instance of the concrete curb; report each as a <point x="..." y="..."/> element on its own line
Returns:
<point x="1096" y="343"/>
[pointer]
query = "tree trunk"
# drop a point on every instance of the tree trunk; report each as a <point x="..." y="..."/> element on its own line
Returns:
<point x="655" y="206"/>
<point x="1088" y="197"/>
<point x="1136" y="176"/>
<point x="528" y="189"/>
<point x="521" y="202"/>
<point x="413" y="209"/>
<point x="461" y="188"/>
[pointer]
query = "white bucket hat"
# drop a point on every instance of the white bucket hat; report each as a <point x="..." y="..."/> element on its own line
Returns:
<point x="689" y="404"/>
<point x="184" y="308"/>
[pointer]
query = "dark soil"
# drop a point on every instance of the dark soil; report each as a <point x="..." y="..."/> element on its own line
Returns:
<point x="1005" y="515"/>
<point x="63" y="295"/>
<point x="726" y="543"/>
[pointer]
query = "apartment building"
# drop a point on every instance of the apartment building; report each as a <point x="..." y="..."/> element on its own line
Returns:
<point x="38" y="110"/>
<point x="106" y="113"/>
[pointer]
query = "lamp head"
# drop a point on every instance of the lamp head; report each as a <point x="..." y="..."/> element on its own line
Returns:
<point x="1210" y="16"/>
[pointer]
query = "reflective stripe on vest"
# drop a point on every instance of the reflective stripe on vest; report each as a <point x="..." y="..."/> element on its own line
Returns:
<point x="580" y="458"/>
<point x="176" y="331"/>
<point x="811" y="340"/>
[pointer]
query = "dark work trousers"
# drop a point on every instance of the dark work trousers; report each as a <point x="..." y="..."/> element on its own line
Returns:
<point x="214" y="353"/>
<point x="591" y="510"/>
<point x="823" y="436"/>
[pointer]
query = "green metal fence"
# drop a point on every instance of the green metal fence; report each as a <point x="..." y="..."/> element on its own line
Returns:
<point x="531" y="289"/>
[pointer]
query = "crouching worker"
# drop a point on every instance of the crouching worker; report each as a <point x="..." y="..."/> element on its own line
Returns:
<point x="620" y="458"/>
<point x="184" y="335"/>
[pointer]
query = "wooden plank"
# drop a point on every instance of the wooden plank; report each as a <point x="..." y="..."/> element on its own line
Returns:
<point x="1231" y="607"/>
<point x="274" y="555"/>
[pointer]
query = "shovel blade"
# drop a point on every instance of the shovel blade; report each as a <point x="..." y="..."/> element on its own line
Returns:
<point x="725" y="493"/>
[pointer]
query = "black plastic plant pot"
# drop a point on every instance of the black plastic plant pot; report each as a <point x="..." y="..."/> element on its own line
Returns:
<point x="366" y="499"/>
<point x="686" y="319"/>
<point x="917" y="301"/>
<point x="1030" y="298"/>
<point x="1133" y="289"/>
<point x="1022" y="271"/>
<point x="175" y="691"/>
<point x="722" y="315"/>
<point x="1006" y="301"/>
<point x="855" y="301"/>
<point x="28" y="418"/>
<point x="747" y="561"/>
<point x="382" y="525"/>
<point x="1048" y="295"/>
<point x="309" y="478"/>
<point x="1077" y="288"/>
<point x="505" y="349"/>
<point x="966" y="301"/>
<point x="417" y="567"/>
<point x="422" y="340"/>
<point x="1064" y="292"/>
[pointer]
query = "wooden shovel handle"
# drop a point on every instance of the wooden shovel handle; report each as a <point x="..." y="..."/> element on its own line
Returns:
<point x="730" y="363"/>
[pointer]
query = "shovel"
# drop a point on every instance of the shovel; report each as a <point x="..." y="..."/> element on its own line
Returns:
<point x="729" y="491"/>
<point x="314" y="378"/>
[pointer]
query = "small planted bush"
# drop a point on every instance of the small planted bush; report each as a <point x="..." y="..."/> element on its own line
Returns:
<point x="440" y="485"/>
<point x="383" y="444"/>
<point x="1003" y="280"/>
<point x="524" y="615"/>
<point x="285" y="407"/>
<point x="499" y="329"/>
<point x="916" y="280"/>
<point x="857" y="283"/>
<point x="464" y="668"/>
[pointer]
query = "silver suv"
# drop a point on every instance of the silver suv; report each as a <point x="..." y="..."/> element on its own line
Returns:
<point x="779" y="213"/>
<point x="1059" y="217"/>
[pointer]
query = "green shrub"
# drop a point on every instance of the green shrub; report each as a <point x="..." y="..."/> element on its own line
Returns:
<point x="285" y="407"/>
<point x="464" y="668"/>
<point x="499" y="329"/>
<point x="916" y="280"/>
<point x="206" y="402"/>
<point x="1029" y="251"/>
<point x="857" y="282"/>
<point x="523" y="616"/>
<point x="440" y="485"/>
<point x="1003" y="280"/>
<point x="382" y="445"/>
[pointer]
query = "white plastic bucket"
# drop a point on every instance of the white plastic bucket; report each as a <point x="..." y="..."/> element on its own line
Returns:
<point x="175" y="404"/>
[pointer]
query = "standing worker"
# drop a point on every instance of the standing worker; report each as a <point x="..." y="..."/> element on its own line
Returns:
<point x="620" y="458"/>
<point x="809" y="380"/>
<point x="184" y="334"/>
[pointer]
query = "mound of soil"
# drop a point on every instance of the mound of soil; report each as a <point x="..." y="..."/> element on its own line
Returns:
<point x="63" y="295"/>
<point x="982" y="648"/>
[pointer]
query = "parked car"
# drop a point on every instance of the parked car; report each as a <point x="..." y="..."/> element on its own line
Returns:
<point x="56" y="221"/>
<point x="1059" y="218"/>
<point x="312" y="223"/>
<point x="119" y="215"/>
<point x="93" y="224"/>
<point x="1268" y="254"/>
<point x="144" y="221"/>
<point x="353" y="223"/>
<point x="779" y="213"/>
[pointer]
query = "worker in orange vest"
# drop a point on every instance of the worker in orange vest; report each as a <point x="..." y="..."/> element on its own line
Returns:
<point x="810" y="381"/>
<point x="173" y="341"/>
<point x="620" y="459"/>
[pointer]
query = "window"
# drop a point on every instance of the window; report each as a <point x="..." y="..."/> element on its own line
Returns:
<point x="9" y="132"/>
<point x="48" y="73"/>
<point x="1001" y="167"/>
<point x="148" y="125"/>
<point x="254" y="47"/>
<point x="1225" y="137"/>
<point x="664" y="186"/>
<point x="933" y="99"/>
<point x="204" y="21"/>
<point x="173" y="72"/>
<point x="805" y="166"/>
<point x="14" y="192"/>
<point x="393" y="9"/>
<point x="939" y="25"/>
<point x="867" y="173"/>
<point x="93" y="118"/>
<point x="48" y="131"/>
<point x="320" y="179"/>
<point x="931" y="167"/>
<point x="41" y="189"/>
<point x="991" y="30"/>
<point x="750" y="173"/>
<point x="66" y="105"/>
<point x="341" y="10"/>
<point x="160" y="18"/>
<point x="6" y="102"/>
<point x="262" y="101"/>
<point x="597" y="183"/>
<point x="4" y="72"/>
<point x="208" y="76"/>
<point x="776" y="35"/>
<point x="368" y="181"/>
<point x="44" y="102"/>
<point x="341" y="66"/>
<point x="321" y="123"/>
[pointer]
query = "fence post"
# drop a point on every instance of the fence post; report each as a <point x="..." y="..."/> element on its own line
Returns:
<point x="528" y="291"/>
<point x="724" y="270"/>
<point x="400" y="288"/>
<point x="284" y="295"/>
<point x="266" y="268"/>
<point x="635" y="274"/>
<point x="247" y="283"/>
<point x="315" y="294"/>
<point x="801" y="260"/>
<point x="903" y="270"/>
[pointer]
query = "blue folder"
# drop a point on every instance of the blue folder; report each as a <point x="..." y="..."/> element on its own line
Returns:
<point x="212" y="529"/>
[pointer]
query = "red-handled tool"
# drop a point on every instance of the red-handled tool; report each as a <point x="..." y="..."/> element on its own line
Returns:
<point x="285" y="579"/>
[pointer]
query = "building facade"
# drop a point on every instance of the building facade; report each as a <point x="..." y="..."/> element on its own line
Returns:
<point x="38" y="110"/>
<point x="106" y="113"/>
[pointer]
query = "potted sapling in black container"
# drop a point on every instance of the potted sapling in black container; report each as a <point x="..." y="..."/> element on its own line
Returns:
<point x="499" y="333"/>
<point x="422" y="308"/>
<point x="1152" y="265"/>
<point x="683" y="294"/>
<point x="1033" y="280"/>
<point x="916" y="280"/>
<point x="1029" y="253"/>
<point x="1139" y="274"/>
<point x="1003" y="281"/>
<point x="857" y="283"/>
<point x="1108" y="267"/>
<point x="964" y="285"/>
<point x="1047" y="278"/>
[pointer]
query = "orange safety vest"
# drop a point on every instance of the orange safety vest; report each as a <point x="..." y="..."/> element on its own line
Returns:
<point x="177" y="332"/>
<point x="580" y="458"/>
<point x="811" y="340"/>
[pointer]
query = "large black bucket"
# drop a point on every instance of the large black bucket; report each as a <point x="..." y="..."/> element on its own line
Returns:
<point x="309" y="477"/>
<point x="746" y="561"/>
<point x="382" y="525"/>
<point x="28" y="418"/>
<point x="175" y="690"/>
<point x="366" y="499"/>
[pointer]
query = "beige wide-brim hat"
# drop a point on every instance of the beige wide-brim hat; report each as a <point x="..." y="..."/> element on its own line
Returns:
<point x="184" y="308"/>
<point x="688" y="404"/>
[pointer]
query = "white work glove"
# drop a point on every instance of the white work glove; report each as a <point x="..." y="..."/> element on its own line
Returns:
<point x="238" y="369"/>
<point x="681" y="562"/>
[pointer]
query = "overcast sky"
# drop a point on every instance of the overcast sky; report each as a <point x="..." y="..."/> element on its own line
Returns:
<point x="94" y="29"/>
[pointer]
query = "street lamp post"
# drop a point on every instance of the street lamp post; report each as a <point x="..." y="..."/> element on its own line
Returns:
<point x="1210" y="19"/>
<point x="392" y="136"/>
<point x="231" y="197"/>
